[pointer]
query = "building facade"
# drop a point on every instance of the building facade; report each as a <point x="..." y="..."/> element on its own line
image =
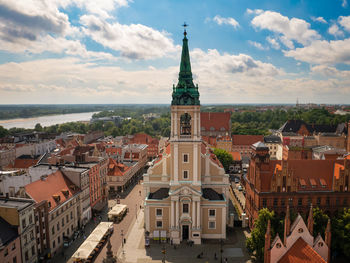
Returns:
<point x="19" y="212"/>
<point x="186" y="188"/>
<point x="10" y="245"/>
<point x="298" y="183"/>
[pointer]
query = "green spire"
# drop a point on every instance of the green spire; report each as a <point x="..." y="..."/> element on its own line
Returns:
<point x="185" y="92"/>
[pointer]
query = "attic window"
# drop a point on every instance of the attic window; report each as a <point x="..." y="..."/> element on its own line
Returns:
<point x="57" y="198"/>
<point x="313" y="183"/>
<point x="300" y="230"/>
<point x="302" y="183"/>
<point x="320" y="244"/>
<point x="323" y="183"/>
<point x="65" y="192"/>
<point x="278" y="245"/>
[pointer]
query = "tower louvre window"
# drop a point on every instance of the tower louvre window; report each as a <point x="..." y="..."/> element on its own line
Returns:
<point x="185" y="124"/>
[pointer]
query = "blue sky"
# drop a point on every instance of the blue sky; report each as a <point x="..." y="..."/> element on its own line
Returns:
<point x="121" y="51"/>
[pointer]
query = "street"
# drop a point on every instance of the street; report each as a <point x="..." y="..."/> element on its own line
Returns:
<point x="133" y="200"/>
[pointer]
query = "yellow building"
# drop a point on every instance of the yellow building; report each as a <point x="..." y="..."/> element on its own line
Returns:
<point x="186" y="188"/>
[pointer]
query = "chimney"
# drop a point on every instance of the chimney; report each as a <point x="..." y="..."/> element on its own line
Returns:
<point x="310" y="221"/>
<point x="267" y="243"/>
<point x="286" y="226"/>
<point x="328" y="239"/>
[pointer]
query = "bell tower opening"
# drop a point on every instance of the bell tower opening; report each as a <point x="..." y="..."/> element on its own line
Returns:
<point x="185" y="124"/>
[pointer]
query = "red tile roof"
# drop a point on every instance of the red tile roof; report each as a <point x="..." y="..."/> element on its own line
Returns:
<point x="246" y="139"/>
<point x="53" y="185"/>
<point x="301" y="252"/>
<point x="236" y="156"/>
<point x="115" y="168"/>
<point x="217" y="120"/>
<point x="23" y="163"/>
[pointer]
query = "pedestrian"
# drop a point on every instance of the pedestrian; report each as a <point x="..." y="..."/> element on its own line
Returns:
<point x="215" y="256"/>
<point x="225" y="260"/>
<point x="140" y="193"/>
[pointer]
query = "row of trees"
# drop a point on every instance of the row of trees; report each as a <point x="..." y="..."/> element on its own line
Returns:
<point x="340" y="228"/>
<point x="250" y="122"/>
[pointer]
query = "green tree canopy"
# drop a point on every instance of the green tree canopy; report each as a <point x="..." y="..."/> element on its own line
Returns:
<point x="224" y="157"/>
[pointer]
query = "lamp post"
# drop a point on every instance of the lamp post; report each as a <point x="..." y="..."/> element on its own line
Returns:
<point x="163" y="252"/>
<point x="122" y="234"/>
<point x="221" y="250"/>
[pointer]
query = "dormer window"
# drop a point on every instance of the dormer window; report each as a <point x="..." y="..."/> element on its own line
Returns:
<point x="278" y="245"/>
<point x="300" y="230"/>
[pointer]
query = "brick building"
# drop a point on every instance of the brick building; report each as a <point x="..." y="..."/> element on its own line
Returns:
<point x="215" y="123"/>
<point x="242" y="143"/>
<point x="143" y="138"/>
<point x="299" y="183"/>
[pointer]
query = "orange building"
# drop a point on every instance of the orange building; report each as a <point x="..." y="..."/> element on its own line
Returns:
<point x="299" y="183"/>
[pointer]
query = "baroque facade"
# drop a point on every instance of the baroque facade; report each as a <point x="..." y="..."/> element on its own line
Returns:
<point x="186" y="188"/>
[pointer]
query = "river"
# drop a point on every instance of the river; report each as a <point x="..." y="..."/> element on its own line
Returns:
<point x="29" y="123"/>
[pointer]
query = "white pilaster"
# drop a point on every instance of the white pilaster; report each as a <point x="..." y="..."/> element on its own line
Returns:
<point x="198" y="214"/>
<point x="195" y="163"/>
<point x="147" y="217"/>
<point x="175" y="124"/>
<point x="195" y="125"/>
<point x="193" y="214"/>
<point x="177" y="213"/>
<point x="176" y="162"/>
<point x="172" y="214"/>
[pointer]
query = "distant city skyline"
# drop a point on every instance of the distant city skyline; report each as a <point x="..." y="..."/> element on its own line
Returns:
<point x="123" y="51"/>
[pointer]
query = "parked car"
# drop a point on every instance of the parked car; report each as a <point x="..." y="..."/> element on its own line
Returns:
<point x="236" y="180"/>
<point x="240" y="188"/>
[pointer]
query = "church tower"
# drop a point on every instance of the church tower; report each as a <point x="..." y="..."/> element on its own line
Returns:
<point x="186" y="188"/>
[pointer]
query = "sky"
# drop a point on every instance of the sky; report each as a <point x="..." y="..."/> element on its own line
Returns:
<point x="128" y="51"/>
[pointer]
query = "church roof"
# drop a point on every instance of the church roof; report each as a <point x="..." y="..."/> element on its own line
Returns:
<point x="301" y="252"/>
<point x="161" y="193"/>
<point x="185" y="92"/>
<point x="211" y="194"/>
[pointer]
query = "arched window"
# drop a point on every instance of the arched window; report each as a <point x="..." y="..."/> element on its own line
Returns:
<point x="185" y="124"/>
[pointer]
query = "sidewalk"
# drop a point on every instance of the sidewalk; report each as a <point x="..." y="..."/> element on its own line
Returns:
<point x="135" y="251"/>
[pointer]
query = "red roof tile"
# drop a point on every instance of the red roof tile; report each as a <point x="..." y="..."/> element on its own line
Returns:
<point x="301" y="252"/>
<point x="217" y="120"/>
<point x="116" y="169"/>
<point x="53" y="185"/>
<point x="246" y="139"/>
<point x="236" y="156"/>
<point x="23" y="163"/>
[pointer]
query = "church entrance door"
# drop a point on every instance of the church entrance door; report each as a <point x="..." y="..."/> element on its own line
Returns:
<point x="185" y="232"/>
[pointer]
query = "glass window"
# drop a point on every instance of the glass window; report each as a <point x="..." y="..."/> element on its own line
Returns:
<point x="26" y="256"/>
<point x="185" y="208"/>
<point x="275" y="201"/>
<point x="211" y="212"/>
<point x="211" y="224"/>
<point x="14" y="260"/>
<point x="159" y="224"/>
<point x="300" y="201"/>
<point x="264" y="201"/>
<point x="318" y="200"/>
<point x="185" y="174"/>
<point x="185" y="156"/>
<point x="6" y="252"/>
<point x="13" y="246"/>
<point x="159" y="212"/>
<point x="53" y="230"/>
<point x="58" y="240"/>
<point x="33" y="250"/>
<point x="24" y="223"/>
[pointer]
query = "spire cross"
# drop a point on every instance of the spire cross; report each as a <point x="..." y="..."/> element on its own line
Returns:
<point x="185" y="25"/>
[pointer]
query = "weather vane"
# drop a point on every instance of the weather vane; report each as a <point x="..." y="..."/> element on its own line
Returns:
<point x="185" y="25"/>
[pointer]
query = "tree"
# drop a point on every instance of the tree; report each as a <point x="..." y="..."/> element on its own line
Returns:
<point x="340" y="227"/>
<point x="320" y="221"/>
<point x="224" y="157"/>
<point x="38" y="127"/>
<point x="3" y="132"/>
<point x="256" y="242"/>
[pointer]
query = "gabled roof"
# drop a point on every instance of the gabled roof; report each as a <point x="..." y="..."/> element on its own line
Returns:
<point x="246" y="140"/>
<point x="272" y="139"/>
<point x="115" y="168"/>
<point x="295" y="125"/>
<point x="216" y="120"/>
<point x="55" y="186"/>
<point x="301" y="252"/>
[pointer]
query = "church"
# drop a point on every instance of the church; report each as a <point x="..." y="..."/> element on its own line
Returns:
<point x="186" y="188"/>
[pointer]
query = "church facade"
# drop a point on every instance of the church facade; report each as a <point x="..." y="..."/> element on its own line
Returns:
<point x="186" y="188"/>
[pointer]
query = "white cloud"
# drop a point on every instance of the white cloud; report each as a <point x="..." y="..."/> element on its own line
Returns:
<point x="323" y="52"/>
<point x="226" y="21"/>
<point x="344" y="3"/>
<point x="319" y="19"/>
<point x="288" y="29"/>
<point x="335" y="31"/>
<point x="102" y="8"/>
<point x="134" y="41"/>
<point x="274" y="43"/>
<point x="213" y="61"/>
<point x="255" y="11"/>
<point x="344" y="21"/>
<point x="257" y="45"/>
